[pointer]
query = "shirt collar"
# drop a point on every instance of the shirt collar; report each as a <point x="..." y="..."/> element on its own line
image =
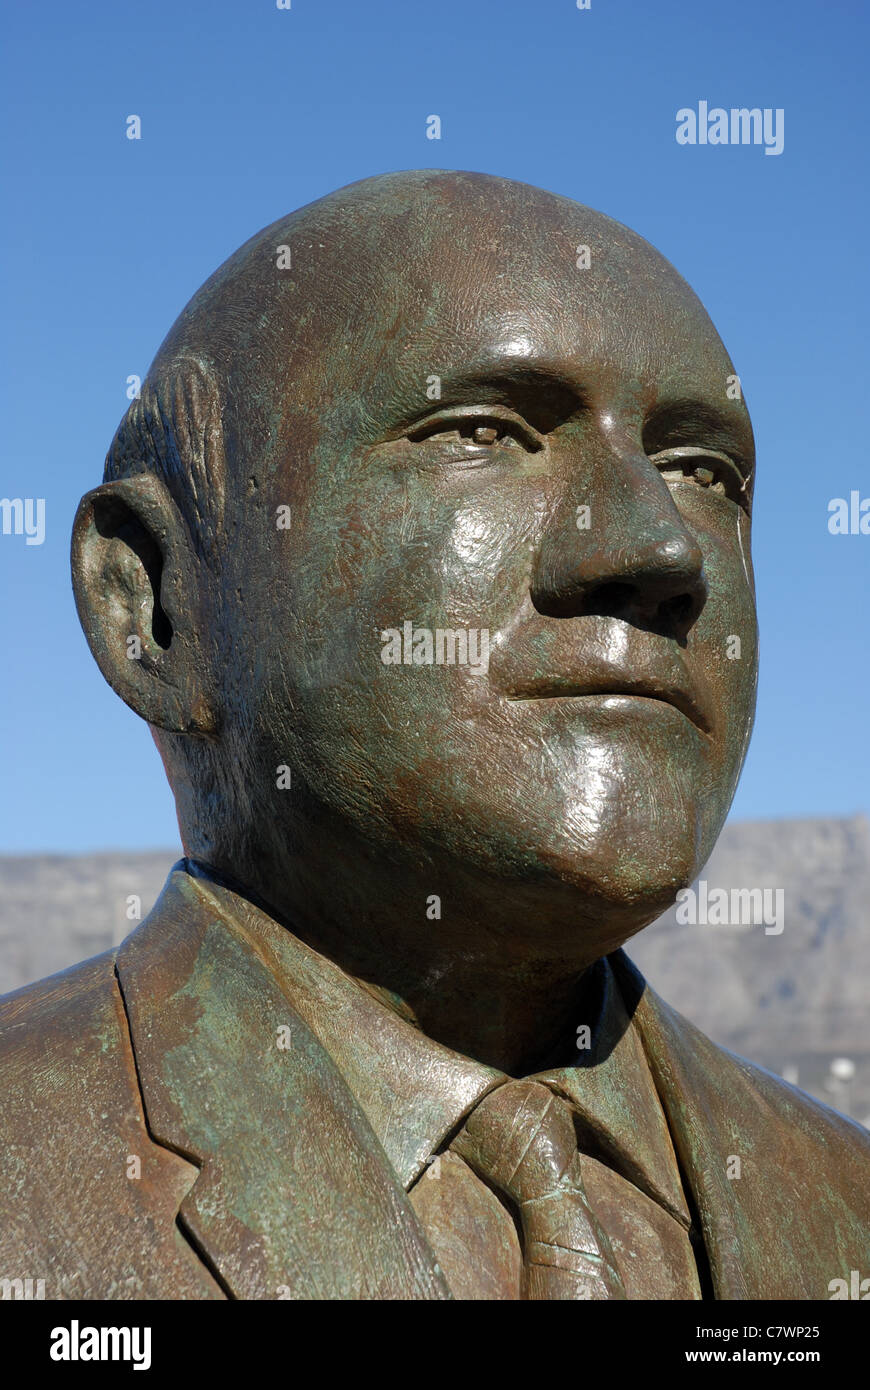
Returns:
<point x="416" y="1093"/>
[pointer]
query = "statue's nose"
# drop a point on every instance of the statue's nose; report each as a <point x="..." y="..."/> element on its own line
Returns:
<point x="637" y="560"/>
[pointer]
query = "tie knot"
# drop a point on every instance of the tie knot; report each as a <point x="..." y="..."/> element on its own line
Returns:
<point x="521" y="1136"/>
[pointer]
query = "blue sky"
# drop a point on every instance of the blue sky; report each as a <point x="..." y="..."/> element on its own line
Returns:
<point x="248" y="112"/>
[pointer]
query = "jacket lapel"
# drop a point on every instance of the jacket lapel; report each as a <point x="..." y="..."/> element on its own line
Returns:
<point x="295" y="1198"/>
<point x="794" y="1214"/>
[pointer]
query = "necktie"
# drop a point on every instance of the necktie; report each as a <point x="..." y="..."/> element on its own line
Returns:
<point x="521" y="1140"/>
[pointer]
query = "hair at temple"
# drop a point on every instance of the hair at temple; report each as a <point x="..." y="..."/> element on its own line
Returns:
<point x="173" y="431"/>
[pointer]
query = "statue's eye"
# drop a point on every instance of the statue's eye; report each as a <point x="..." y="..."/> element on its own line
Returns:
<point x="478" y="431"/>
<point x="484" y="434"/>
<point x="470" y="433"/>
<point x="707" y="468"/>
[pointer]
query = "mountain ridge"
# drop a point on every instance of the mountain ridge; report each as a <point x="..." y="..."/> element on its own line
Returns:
<point x="793" y="1000"/>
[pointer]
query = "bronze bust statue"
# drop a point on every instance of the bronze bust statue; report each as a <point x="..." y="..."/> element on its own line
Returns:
<point x="423" y="553"/>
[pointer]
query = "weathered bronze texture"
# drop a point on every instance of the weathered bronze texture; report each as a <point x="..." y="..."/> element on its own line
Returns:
<point x="346" y="1054"/>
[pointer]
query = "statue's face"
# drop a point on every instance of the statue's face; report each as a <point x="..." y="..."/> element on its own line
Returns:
<point x="538" y="501"/>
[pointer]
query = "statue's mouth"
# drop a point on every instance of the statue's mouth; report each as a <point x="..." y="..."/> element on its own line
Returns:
<point x="570" y="687"/>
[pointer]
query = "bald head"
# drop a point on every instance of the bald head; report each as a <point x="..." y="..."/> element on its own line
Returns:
<point x="353" y="309"/>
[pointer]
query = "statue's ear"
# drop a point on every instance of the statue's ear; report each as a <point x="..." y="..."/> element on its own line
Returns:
<point x="137" y="584"/>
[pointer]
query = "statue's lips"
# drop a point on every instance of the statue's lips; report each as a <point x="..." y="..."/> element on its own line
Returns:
<point x="569" y="688"/>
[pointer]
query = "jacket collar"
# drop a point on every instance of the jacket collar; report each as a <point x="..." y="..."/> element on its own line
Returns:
<point x="793" y="1212"/>
<point x="235" y="1081"/>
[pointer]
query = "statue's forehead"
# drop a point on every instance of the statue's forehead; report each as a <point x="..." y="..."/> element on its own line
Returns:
<point x="463" y="261"/>
<point x="385" y="293"/>
<point x="617" y="332"/>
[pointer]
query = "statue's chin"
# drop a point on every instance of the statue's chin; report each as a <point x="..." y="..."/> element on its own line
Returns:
<point x="629" y="841"/>
<point x="620" y="808"/>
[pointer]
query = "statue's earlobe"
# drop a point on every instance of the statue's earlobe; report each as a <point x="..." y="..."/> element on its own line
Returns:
<point x="137" y="580"/>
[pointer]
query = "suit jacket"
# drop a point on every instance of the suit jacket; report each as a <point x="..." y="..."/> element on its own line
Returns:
<point x="157" y="1142"/>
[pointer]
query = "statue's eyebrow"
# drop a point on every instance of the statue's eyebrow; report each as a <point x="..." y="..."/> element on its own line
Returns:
<point x="544" y="396"/>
